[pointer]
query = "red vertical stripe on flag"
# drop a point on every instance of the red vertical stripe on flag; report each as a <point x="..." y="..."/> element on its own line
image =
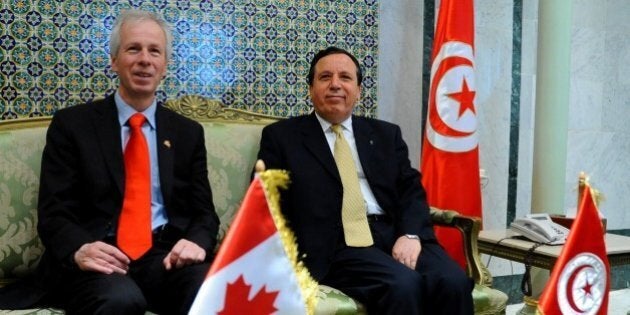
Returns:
<point x="580" y="279"/>
<point x="252" y="225"/>
<point x="257" y="270"/>
<point x="450" y="152"/>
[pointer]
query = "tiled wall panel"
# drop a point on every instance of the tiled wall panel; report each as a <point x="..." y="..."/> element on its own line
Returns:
<point x="250" y="54"/>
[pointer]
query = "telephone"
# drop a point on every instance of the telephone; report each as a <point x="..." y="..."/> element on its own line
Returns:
<point x="538" y="227"/>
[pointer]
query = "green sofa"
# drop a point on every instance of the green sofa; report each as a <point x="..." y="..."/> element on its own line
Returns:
<point x="232" y="138"/>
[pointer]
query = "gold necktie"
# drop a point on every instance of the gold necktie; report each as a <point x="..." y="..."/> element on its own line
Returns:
<point x="353" y="214"/>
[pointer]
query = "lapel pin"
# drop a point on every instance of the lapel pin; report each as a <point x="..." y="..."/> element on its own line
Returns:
<point x="371" y="142"/>
<point x="167" y="144"/>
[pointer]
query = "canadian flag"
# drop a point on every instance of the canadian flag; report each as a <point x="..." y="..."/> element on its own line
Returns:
<point x="580" y="279"/>
<point x="256" y="270"/>
<point x="450" y="151"/>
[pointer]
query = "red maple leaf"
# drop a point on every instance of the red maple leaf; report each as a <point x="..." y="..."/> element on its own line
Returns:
<point x="238" y="303"/>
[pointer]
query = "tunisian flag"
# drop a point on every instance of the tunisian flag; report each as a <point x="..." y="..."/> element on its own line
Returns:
<point x="580" y="279"/>
<point x="450" y="151"/>
<point x="256" y="270"/>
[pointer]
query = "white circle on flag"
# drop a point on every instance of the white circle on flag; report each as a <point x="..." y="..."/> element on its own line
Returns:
<point x="581" y="285"/>
<point x="452" y="124"/>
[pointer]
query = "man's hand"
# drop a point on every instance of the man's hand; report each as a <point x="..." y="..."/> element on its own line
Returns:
<point x="184" y="253"/>
<point x="407" y="251"/>
<point x="101" y="257"/>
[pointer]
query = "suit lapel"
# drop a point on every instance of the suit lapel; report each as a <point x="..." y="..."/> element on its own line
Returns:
<point x="363" y="137"/>
<point x="316" y="143"/>
<point x="107" y="129"/>
<point x="165" y="133"/>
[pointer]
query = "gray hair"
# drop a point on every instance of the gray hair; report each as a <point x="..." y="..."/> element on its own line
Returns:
<point x="135" y="15"/>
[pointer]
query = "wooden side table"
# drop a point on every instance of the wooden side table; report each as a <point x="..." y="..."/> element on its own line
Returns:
<point x="501" y="243"/>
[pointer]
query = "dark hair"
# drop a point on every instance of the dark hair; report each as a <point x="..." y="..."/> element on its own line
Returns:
<point x="331" y="51"/>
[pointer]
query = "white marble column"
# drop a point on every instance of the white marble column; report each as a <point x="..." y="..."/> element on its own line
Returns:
<point x="551" y="118"/>
<point x="552" y="103"/>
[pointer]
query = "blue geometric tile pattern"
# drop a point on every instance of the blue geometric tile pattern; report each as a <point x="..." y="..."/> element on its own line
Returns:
<point x="250" y="54"/>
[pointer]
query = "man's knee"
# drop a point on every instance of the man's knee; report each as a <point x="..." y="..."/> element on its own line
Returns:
<point x="406" y="285"/>
<point x="451" y="293"/>
<point x="124" y="300"/>
<point x="105" y="294"/>
<point x="401" y="295"/>
<point x="456" y="281"/>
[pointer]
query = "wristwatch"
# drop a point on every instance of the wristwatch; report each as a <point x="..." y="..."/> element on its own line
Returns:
<point x="412" y="237"/>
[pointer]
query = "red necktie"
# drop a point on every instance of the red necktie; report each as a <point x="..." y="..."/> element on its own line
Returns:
<point x="134" y="225"/>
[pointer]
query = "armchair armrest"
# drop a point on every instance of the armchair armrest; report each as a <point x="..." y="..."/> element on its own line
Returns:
<point x="469" y="228"/>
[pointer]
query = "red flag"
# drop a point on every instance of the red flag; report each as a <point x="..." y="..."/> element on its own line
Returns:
<point x="580" y="279"/>
<point x="450" y="152"/>
<point x="256" y="270"/>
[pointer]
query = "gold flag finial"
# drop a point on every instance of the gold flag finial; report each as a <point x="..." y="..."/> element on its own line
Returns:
<point x="583" y="182"/>
<point x="260" y="166"/>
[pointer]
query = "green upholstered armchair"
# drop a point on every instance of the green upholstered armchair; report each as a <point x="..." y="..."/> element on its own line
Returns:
<point x="232" y="139"/>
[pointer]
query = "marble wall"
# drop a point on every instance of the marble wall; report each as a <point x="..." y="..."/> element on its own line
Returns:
<point x="400" y="69"/>
<point x="599" y="138"/>
<point x="506" y="56"/>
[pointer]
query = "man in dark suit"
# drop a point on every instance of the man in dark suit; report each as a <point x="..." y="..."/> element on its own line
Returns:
<point x="83" y="187"/>
<point x="401" y="269"/>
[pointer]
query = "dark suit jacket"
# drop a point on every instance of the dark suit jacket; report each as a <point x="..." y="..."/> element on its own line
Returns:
<point x="312" y="203"/>
<point x="82" y="179"/>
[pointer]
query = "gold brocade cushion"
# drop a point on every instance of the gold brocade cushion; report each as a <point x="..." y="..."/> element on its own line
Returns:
<point x="20" y="156"/>
<point x="232" y="152"/>
<point x="489" y="301"/>
<point x="333" y="301"/>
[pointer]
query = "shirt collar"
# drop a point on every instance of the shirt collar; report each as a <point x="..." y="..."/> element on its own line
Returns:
<point x="346" y="124"/>
<point x="125" y="111"/>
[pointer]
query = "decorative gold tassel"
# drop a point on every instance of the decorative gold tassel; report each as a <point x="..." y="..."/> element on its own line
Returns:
<point x="272" y="180"/>
<point x="598" y="196"/>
